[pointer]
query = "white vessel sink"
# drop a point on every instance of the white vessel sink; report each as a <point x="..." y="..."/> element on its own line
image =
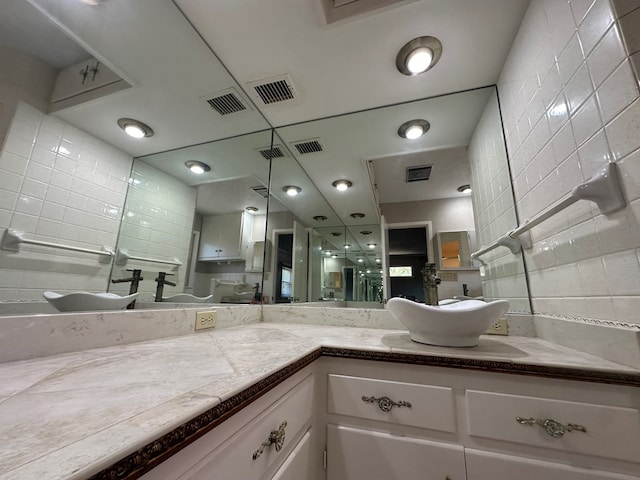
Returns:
<point x="85" y="301"/>
<point x="457" y="324"/>
<point x="186" y="298"/>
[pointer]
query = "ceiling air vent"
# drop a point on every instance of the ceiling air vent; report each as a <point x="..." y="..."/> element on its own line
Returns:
<point x="418" y="173"/>
<point x="262" y="191"/>
<point x="276" y="151"/>
<point x="308" y="146"/>
<point x="274" y="90"/>
<point x="226" y="102"/>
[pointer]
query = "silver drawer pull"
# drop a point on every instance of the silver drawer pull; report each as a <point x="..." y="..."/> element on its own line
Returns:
<point x="385" y="403"/>
<point x="552" y="427"/>
<point x="276" y="438"/>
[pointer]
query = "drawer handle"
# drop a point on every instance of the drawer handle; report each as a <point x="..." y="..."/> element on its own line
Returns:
<point x="276" y="438"/>
<point x="385" y="403"/>
<point x="552" y="427"/>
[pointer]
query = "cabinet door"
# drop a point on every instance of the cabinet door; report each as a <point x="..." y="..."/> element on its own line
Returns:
<point x="354" y="454"/>
<point x="220" y="237"/>
<point x="489" y="466"/>
<point x="299" y="464"/>
<point x="82" y="77"/>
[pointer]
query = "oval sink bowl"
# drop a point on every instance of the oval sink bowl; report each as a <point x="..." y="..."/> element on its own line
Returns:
<point x="186" y="298"/>
<point x="85" y="301"/>
<point x="457" y="324"/>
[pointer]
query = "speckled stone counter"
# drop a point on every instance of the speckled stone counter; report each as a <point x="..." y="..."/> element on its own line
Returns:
<point x="75" y="414"/>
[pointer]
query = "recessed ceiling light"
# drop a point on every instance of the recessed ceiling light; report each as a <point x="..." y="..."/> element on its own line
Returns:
<point x="197" y="167"/>
<point x="251" y="209"/>
<point x="371" y="245"/>
<point x="320" y="218"/>
<point x="292" y="190"/>
<point x="328" y="252"/>
<point x="342" y="184"/>
<point x="413" y="129"/>
<point x="135" y="128"/>
<point x="419" y="55"/>
<point x="347" y="246"/>
<point x="357" y="215"/>
<point x="378" y="260"/>
<point x="464" y="189"/>
<point x="334" y="256"/>
<point x="360" y="260"/>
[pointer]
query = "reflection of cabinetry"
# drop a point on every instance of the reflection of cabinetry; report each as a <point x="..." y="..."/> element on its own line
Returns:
<point x="223" y="237"/>
<point x="463" y="426"/>
<point x="85" y="81"/>
<point x="235" y="448"/>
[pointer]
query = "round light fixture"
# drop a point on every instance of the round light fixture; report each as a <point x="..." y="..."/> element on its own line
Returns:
<point x="320" y="218"/>
<point x="357" y="215"/>
<point x="292" y="190"/>
<point x="419" y="55"/>
<point x="197" y="167"/>
<point x="366" y="232"/>
<point x="413" y="129"/>
<point x="342" y="184"/>
<point x="251" y="209"/>
<point x="328" y="253"/>
<point x="347" y="246"/>
<point x="134" y="128"/>
<point x="336" y="234"/>
<point x="371" y="245"/>
<point x="334" y="256"/>
<point x="464" y="188"/>
<point x="378" y="260"/>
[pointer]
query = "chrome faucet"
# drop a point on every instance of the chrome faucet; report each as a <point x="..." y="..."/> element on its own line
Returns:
<point x="430" y="281"/>
<point x="135" y="279"/>
<point x="160" y="280"/>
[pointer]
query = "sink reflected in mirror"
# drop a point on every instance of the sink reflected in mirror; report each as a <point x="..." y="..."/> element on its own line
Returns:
<point x="86" y="301"/>
<point x="457" y="324"/>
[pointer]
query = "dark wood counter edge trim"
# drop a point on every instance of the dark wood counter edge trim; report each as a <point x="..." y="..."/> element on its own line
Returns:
<point x="494" y="366"/>
<point x="146" y="458"/>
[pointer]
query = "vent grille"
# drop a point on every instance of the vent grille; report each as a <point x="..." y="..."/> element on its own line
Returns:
<point x="308" y="146"/>
<point x="226" y="102"/>
<point x="271" y="153"/>
<point x="274" y="90"/>
<point x="262" y="191"/>
<point x="418" y="173"/>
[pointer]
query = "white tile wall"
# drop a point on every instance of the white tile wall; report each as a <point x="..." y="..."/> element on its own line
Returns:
<point x="571" y="103"/>
<point x="157" y="223"/>
<point x="503" y="273"/>
<point x="60" y="185"/>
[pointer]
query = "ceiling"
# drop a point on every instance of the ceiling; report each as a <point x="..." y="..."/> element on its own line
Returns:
<point x="165" y="50"/>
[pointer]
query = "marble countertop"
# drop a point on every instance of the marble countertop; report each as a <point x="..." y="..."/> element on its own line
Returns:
<point x="71" y="415"/>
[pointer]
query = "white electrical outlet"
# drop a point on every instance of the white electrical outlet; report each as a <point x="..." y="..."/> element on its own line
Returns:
<point x="206" y="319"/>
<point x="499" y="328"/>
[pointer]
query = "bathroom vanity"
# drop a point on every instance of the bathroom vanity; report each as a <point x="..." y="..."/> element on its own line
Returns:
<point x="203" y="405"/>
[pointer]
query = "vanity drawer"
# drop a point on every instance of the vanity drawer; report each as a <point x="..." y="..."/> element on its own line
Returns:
<point x="430" y="407"/>
<point x="611" y="432"/>
<point x="234" y="458"/>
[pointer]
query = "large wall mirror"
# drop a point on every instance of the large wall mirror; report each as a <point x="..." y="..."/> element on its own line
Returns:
<point x="211" y="237"/>
<point x="399" y="186"/>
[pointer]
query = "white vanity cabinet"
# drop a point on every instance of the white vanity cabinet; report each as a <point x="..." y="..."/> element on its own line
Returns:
<point x="389" y="420"/>
<point x="369" y="454"/>
<point x="224" y="237"/>
<point x="270" y="438"/>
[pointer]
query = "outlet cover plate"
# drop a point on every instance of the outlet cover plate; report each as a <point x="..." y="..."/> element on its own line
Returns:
<point x="499" y="328"/>
<point x="206" y="320"/>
